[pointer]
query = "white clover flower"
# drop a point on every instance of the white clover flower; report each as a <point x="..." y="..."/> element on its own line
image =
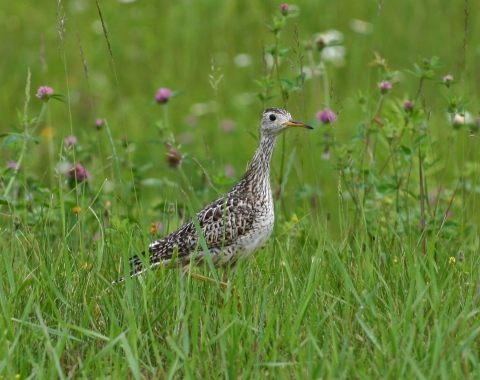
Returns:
<point x="330" y="45"/>
<point x="243" y="60"/>
<point x="360" y="27"/>
<point x="334" y="54"/>
<point x="460" y="119"/>
<point x="330" y="37"/>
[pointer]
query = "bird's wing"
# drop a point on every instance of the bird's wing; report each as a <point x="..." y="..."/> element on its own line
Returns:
<point x="226" y="219"/>
<point x="222" y="222"/>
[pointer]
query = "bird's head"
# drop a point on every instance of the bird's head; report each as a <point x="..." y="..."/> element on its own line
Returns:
<point x="276" y="120"/>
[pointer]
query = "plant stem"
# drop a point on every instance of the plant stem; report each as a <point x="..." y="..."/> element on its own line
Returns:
<point x="325" y="84"/>
<point x="277" y="65"/>
<point x="26" y="138"/>
<point x="284" y="98"/>
<point x="315" y="80"/>
<point x="114" y="152"/>
<point x="422" y="201"/>
<point x="165" y="115"/>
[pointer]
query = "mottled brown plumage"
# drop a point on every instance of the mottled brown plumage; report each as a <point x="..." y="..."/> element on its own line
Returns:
<point x="234" y="225"/>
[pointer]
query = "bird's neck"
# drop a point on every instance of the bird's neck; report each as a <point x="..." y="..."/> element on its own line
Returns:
<point x="257" y="175"/>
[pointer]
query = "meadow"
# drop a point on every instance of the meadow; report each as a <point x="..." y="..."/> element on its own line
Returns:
<point x="372" y="269"/>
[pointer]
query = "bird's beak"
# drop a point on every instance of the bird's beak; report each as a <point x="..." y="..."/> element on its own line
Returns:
<point x="293" y="123"/>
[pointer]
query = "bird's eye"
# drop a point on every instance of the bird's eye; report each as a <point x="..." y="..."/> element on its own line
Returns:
<point x="272" y="117"/>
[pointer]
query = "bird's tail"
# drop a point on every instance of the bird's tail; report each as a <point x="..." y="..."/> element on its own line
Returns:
<point x="155" y="257"/>
<point x="137" y="267"/>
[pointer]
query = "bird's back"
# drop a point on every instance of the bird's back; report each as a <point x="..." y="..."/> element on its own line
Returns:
<point x="223" y="223"/>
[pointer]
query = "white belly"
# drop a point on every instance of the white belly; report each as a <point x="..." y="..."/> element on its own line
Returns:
<point x="256" y="239"/>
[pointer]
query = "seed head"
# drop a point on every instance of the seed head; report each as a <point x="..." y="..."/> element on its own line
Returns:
<point x="44" y="93"/>
<point x="79" y="172"/>
<point x="447" y="79"/>
<point x="284" y="9"/>
<point x="408" y="106"/>
<point x="229" y="171"/>
<point x="320" y="42"/>
<point x="99" y="123"/>
<point x="385" y="86"/>
<point x="70" y="141"/>
<point x="326" y="116"/>
<point x="174" y="158"/>
<point x="162" y="95"/>
<point x="125" y="141"/>
<point x="12" y="165"/>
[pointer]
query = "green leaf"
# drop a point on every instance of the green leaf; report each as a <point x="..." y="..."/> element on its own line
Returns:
<point x="5" y="200"/>
<point x="386" y="188"/>
<point x="268" y="26"/>
<point x="286" y="84"/>
<point x="269" y="49"/>
<point x="435" y="63"/>
<point x="152" y="182"/>
<point x="429" y="74"/>
<point x="419" y="141"/>
<point x="11" y="138"/>
<point x="406" y="150"/>
<point x="299" y="79"/>
<point x="58" y="97"/>
<point x="282" y="53"/>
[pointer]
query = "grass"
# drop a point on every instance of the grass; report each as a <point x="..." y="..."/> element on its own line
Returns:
<point x="309" y="308"/>
<point x="372" y="270"/>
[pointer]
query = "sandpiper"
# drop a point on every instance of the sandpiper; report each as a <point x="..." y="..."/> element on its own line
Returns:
<point x="235" y="225"/>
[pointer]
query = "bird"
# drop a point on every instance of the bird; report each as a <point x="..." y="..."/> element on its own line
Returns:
<point x="235" y="225"/>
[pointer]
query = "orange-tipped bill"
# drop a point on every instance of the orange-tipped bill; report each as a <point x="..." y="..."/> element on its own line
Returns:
<point x="293" y="123"/>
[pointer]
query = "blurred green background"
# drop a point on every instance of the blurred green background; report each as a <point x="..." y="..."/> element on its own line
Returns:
<point x="172" y="44"/>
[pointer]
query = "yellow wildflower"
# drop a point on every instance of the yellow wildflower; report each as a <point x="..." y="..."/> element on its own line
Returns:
<point x="451" y="260"/>
<point x="48" y="133"/>
<point x="77" y="209"/>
